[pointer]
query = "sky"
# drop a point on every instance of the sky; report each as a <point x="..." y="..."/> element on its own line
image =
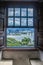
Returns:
<point x="19" y="29"/>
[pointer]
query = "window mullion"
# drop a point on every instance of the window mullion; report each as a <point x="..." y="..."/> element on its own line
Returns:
<point x="7" y="17"/>
<point x="27" y="16"/>
<point x="14" y="17"/>
<point x="20" y="16"/>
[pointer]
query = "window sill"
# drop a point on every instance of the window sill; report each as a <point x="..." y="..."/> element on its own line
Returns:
<point x="20" y="49"/>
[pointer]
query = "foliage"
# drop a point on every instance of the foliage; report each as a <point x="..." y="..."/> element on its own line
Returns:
<point x="26" y="41"/>
<point x="14" y="42"/>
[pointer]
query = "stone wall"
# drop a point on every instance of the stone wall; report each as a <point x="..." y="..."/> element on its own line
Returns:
<point x="20" y="57"/>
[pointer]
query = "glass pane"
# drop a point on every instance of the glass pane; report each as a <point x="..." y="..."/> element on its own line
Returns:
<point x="10" y="11"/>
<point x="10" y="21"/>
<point x="30" y="21"/>
<point x="17" y="21"/>
<point x="23" y="21"/>
<point x="30" y="11"/>
<point x="17" y="11"/>
<point x="23" y="11"/>
<point x="20" y="37"/>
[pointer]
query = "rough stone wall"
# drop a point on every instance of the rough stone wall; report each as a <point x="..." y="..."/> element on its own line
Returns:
<point x="20" y="57"/>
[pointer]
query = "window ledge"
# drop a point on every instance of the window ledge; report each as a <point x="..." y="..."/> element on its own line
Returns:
<point x="20" y="49"/>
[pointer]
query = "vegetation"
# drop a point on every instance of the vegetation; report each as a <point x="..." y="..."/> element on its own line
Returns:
<point x="14" y="42"/>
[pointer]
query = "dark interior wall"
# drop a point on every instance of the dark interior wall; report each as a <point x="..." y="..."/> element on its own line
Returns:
<point x="2" y="24"/>
<point x="40" y="32"/>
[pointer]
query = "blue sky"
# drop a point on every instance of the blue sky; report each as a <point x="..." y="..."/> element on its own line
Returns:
<point x="19" y="29"/>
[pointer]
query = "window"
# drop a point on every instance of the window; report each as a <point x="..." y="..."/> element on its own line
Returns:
<point x="23" y="12"/>
<point x="20" y="28"/>
<point x="17" y="11"/>
<point x="30" y="21"/>
<point x="17" y="21"/>
<point x="10" y="21"/>
<point x="30" y="11"/>
<point x="23" y="21"/>
<point x="10" y="11"/>
<point x="22" y="37"/>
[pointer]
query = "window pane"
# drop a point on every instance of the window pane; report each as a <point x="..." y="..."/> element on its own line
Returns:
<point x="10" y="21"/>
<point x="10" y="11"/>
<point x="17" y="21"/>
<point x="23" y="21"/>
<point x="20" y="37"/>
<point x="30" y="11"/>
<point x="17" y="11"/>
<point x="30" y="21"/>
<point x="23" y="11"/>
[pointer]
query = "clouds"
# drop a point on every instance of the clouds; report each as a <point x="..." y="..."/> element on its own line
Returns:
<point x="20" y="29"/>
